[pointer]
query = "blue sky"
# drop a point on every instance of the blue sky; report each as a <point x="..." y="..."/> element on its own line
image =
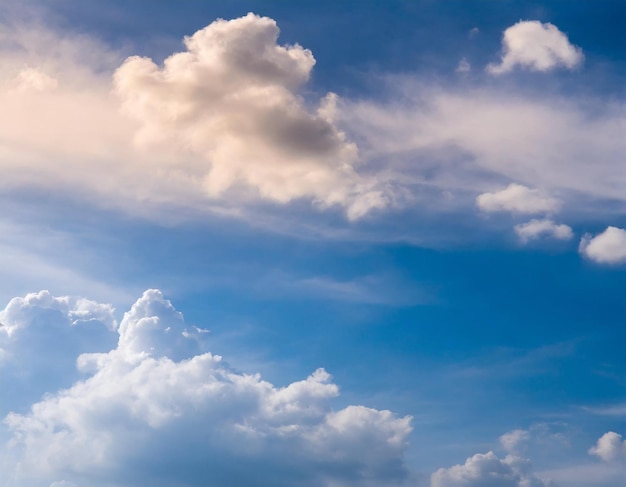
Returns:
<point x="313" y="243"/>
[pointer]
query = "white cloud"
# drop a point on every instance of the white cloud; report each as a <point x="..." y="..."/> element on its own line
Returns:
<point x="487" y="470"/>
<point x="231" y="99"/>
<point x="466" y="140"/>
<point x="610" y="447"/>
<point x="517" y="198"/>
<point x="512" y="440"/>
<point x="222" y="123"/>
<point x="464" y="66"/>
<point x="40" y="339"/>
<point x="19" y="312"/>
<point x="608" y="247"/>
<point x="156" y="411"/>
<point x="537" y="47"/>
<point x="535" y="229"/>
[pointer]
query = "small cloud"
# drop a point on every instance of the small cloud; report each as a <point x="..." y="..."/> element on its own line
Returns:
<point x="610" y="447"/>
<point x="31" y="79"/>
<point x="473" y="32"/>
<point x="536" y="47"/>
<point x="487" y="470"/>
<point x="608" y="247"/>
<point x="517" y="198"/>
<point x="536" y="229"/>
<point x="512" y="440"/>
<point x="464" y="66"/>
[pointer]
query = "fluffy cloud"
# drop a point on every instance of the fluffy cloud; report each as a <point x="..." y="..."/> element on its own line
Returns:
<point x="535" y="229"/>
<point x="40" y="339"/>
<point x="157" y="410"/>
<point x="610" y="447"/>
<point x="231" y="99"/>
<point x="512" y="440"/>
<point x="220" y="123"/>
<point x="608" y="247"/>
<point x="487" y="470"/>
<point x="537" y="47"/>
<point x="517" y="198"/>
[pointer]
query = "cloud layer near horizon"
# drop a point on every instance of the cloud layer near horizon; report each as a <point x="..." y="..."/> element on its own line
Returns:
<point x="159" y="410"/>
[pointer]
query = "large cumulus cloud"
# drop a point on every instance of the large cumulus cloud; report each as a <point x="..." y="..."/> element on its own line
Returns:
<point x="221" y="123"/>
<point x="231" y="98"/>
<point x="159" y="410"/>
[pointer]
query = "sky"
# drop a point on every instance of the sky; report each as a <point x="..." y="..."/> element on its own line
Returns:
<point x="316" y="243"/>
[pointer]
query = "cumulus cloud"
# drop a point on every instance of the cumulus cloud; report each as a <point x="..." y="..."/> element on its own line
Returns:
<point x="487" y="470"/>
<point x="221" y="123"/>
<point x="231" y="98"/>
<point x="609" y="447"/>
<point x="461" y="140"/>
<point x="157" y="410"/>
<point x="535" y="229"/>
<point x="537" y="47"/>
<point x="517" y="198"/>
<point x="40" y="339"/>
<point x="608" y="247"/>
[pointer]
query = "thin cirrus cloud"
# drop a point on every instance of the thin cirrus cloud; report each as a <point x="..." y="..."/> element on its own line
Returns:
<point x="159" y="409"/>
<point x="608" y="247"/>
<point x="545" y="228"/>
<point x="537" y="47"/>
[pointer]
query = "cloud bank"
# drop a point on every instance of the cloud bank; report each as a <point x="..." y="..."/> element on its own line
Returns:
<point x="158" y="410"/>
<point x="225" y="125"/>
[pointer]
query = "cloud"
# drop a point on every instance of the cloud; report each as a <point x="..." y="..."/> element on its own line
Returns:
<point x="231" y="100"/>
<point x="158" y="410"/>
<point x="536" y="47"/>
<point x="608" y="247"/>
<point x="466" y="140"/>
<point x="609" y="447"/>
<point x="487" y="470"/>
<point x="535" y="229"/>
<point x="512" y="440"/>
<point x="40" y="339"/>
<point x="517" y="198"/>
<point x="464" y="66"/>
<point x="222" y="123"/>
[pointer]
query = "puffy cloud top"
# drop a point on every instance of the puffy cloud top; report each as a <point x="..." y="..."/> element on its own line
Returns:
<point x="231" y="100"/>
<point x="537" y="47"/>
<point x="610" y="447"/>
<point x="20" y="311"/>
<point x="517" y="198"/>
<point x="487" y="470"/>
<point x="153" y="412"/>
<point x="608" y="247"/>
